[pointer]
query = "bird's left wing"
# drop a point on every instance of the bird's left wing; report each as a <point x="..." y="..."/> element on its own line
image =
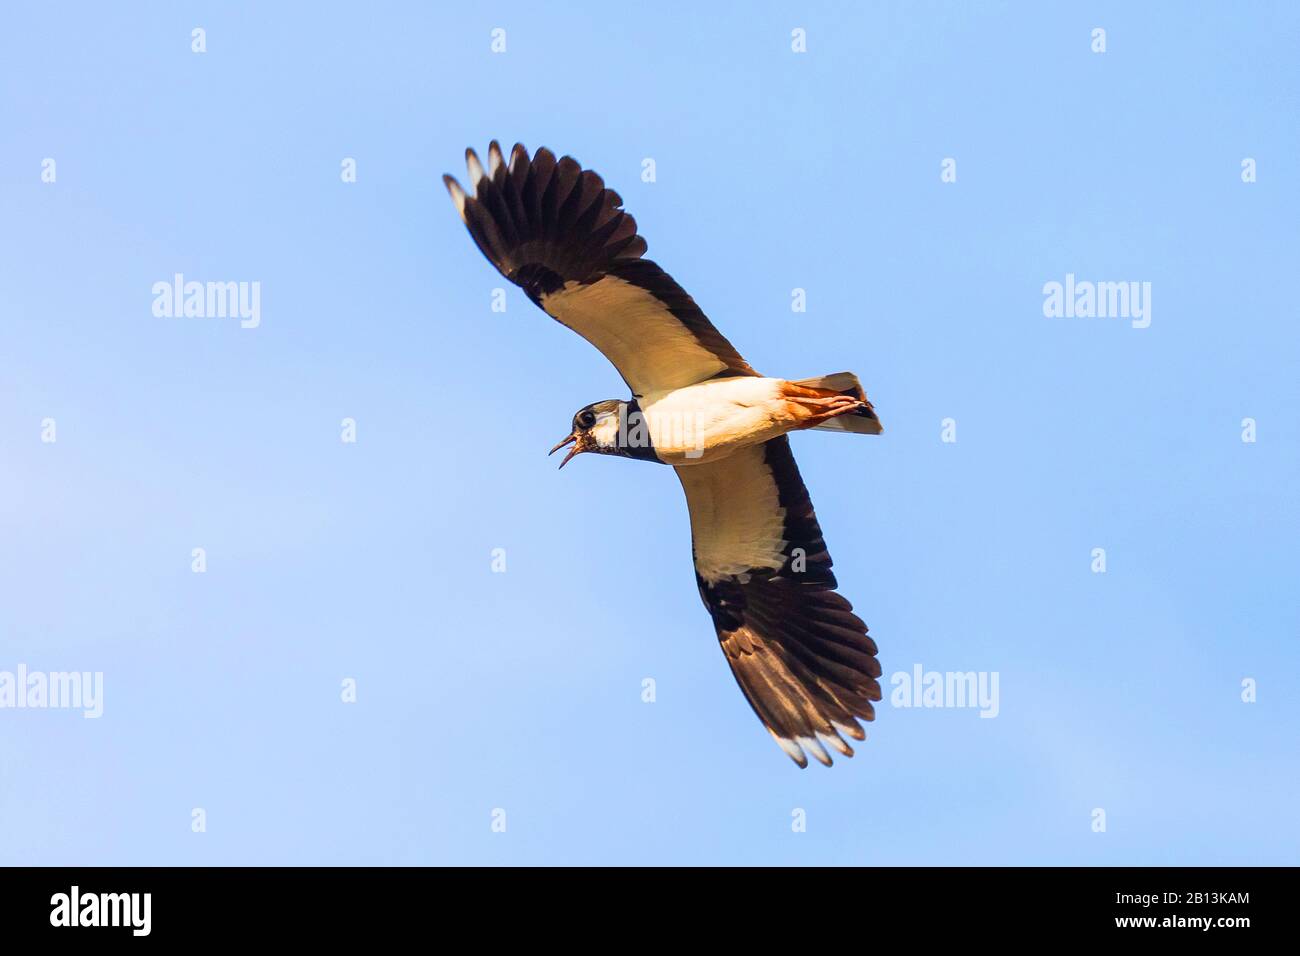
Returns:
<point x="800" y="655"/>
<point x="553" y="229"/>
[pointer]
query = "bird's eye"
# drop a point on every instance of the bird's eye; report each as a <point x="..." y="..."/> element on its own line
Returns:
<point x="586" y="418"/>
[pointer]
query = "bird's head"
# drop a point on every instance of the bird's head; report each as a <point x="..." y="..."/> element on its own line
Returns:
<point x="597" y="428"/>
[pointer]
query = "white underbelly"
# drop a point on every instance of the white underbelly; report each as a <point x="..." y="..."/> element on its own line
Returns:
<point x="711" y="420"/>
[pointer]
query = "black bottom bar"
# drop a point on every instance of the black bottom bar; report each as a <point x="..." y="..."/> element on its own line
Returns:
<point x="372" y="904"/>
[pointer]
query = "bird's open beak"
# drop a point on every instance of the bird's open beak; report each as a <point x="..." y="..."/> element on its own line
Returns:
<point x="572" y="439"/>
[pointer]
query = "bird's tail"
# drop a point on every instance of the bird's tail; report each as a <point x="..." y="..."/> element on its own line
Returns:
<point x="858" y="417"/>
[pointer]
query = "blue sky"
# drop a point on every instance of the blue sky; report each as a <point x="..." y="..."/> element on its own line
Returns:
<point x="522" y="691"/>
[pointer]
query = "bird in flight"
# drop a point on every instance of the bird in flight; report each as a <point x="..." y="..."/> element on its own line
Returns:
<point x="802" y="658"/>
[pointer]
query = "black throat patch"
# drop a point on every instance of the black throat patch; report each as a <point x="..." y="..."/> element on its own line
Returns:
<point x="634" y="433"/>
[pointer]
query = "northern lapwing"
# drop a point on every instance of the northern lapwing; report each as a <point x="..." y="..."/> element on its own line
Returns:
<point x="800" y="655"/>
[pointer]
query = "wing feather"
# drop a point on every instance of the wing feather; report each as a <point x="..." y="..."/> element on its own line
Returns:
<point x="559" y="233"/>
<point x="802" y="658"/>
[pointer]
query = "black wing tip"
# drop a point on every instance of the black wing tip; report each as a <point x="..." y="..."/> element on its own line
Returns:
<point x="544" y="212"/>
<point x="804" y="662"/>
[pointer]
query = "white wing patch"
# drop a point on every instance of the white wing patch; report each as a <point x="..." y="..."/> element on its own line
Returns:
<point x="737" y="522"/>
<point x="648" y="345"/>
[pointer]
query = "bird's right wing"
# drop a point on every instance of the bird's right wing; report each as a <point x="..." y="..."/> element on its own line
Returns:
<point x="553" y="229"/>
<point x="800" y="655"/>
